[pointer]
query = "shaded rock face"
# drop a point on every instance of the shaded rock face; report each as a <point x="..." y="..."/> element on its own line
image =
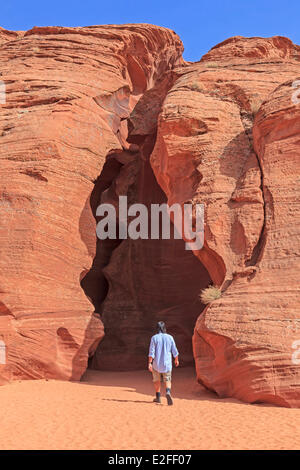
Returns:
<point x="95" y="113"/>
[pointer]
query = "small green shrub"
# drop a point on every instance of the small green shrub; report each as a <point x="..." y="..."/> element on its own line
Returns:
<point x="209" y="294"/>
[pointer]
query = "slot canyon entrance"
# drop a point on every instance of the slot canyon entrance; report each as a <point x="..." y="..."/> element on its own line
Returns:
<point x="135" y="283"/>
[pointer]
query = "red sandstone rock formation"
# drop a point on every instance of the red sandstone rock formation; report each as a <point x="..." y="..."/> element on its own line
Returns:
<point x="95" y="113"/>
<point x="67" y="91"/>
<point x="205" y="152"/>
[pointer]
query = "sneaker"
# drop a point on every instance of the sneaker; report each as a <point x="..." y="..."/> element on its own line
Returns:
<point x="157" y="400"/>
<point x="169" y="399"/>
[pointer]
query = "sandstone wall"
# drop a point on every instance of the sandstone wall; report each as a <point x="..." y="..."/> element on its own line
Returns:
<point x="98" y="112"/>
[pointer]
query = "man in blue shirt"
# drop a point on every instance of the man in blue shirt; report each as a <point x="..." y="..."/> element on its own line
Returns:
<point x="162" y="347"/>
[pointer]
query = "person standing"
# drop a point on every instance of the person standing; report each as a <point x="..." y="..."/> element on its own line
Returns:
<point x="162" y="348"/>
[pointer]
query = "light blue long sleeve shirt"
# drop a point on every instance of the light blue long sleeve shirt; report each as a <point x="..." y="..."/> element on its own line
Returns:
<point x="162" y="346"/>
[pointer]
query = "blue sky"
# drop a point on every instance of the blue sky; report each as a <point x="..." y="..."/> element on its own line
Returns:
<point x="200" y="24"/>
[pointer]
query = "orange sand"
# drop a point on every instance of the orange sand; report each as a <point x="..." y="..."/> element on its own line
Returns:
<point x="115" y="411"/>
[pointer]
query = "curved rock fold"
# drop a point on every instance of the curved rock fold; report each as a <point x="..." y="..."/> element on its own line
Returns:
<point x="95" y="113"/>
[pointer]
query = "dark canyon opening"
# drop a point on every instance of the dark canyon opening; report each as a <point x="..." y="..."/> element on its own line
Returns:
<point x="135" y="283"/>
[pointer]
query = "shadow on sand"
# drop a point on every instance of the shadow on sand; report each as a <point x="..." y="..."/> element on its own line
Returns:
<point x="184" y="386"/>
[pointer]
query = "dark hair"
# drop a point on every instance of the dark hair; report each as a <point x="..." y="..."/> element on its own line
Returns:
<point x="161" y="327"/>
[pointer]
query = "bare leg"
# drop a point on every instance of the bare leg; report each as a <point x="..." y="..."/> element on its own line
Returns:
<point x="168" y="384"/>
<point x="157" y="390"/>
<point x="168" y="392"/>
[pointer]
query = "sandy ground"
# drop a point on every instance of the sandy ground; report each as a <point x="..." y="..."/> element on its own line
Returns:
<point x="110" y="410"/>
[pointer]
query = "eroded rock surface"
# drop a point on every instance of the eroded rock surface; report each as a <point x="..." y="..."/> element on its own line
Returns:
<point x="67" y="90"/>
<point x="206" y="152"/>
<point x="98" y="112"/>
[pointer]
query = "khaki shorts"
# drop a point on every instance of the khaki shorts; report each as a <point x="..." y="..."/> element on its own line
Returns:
<point x="161" y="376"/>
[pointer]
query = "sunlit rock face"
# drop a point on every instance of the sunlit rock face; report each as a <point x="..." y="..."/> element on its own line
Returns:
<point x="91" y="114"/>
<point x="228" y="136"/>
<point x="69" y="92"/>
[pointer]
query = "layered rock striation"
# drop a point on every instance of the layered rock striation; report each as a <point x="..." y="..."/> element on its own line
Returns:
<point x="95" y="113"/>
